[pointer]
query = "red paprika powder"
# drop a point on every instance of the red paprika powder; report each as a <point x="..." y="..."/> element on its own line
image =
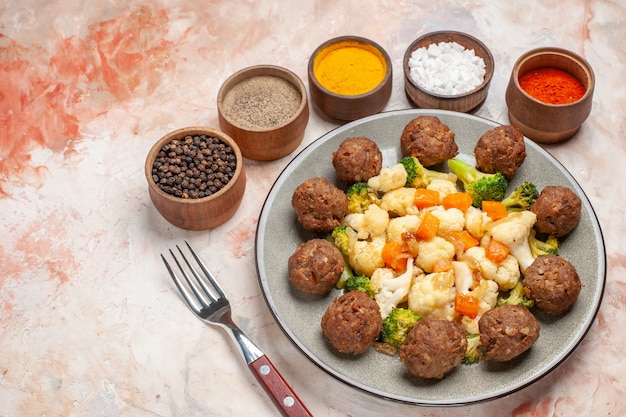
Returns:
<point x="552" y="85"/>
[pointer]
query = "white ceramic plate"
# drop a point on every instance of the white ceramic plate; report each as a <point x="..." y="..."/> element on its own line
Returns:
<point x="385" y="376"/>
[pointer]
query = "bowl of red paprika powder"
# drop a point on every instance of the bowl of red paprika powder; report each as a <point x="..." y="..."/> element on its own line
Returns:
<point x="550" y="94"/>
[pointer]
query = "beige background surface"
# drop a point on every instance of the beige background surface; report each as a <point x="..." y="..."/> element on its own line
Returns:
<point x="90" y="324"/>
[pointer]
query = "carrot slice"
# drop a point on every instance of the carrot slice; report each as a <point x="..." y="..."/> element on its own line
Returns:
<point x="466" y="305"/>
<point x="395" y="255"/>
<point x="496" y="251"/>
<point x="461" y="201"/>
<point x="442" y="265"/>
<point x="428" y="228"/>
<point x="462" y="239"/>
<point x="426" y="198"/>
<point x="495" y="209"/>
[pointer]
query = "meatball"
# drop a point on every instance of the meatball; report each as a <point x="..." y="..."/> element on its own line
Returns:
<point x="502" y="150"/>
<point x="429" y="140"/>
<point x="319" y="205"/>
<point x="558" y="211"/>
<point x="552" y="283"/>
<point x="507" y="331"/>
<point x="357" y="160"/>
<point x="315" y="266"/>
<point x="433" y="348"/>
<point x="352" y="322"/>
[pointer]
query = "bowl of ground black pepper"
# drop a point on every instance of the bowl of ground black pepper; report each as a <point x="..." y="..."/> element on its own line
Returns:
<point x="350" y="77"/>
<point x="196" y="177"/>
<point x="447" y="70"/>
<point x="264" y="108"/>
<point x="550" y="94"/>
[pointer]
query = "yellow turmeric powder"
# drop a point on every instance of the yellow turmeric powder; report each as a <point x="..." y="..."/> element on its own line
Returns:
<point x="349" y="68"/>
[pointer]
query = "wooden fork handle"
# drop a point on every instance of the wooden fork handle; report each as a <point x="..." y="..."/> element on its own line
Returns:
<point x="283" y="397"/>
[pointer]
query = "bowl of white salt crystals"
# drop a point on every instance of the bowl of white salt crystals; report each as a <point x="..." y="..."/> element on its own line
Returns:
<point x="448" y="70"/>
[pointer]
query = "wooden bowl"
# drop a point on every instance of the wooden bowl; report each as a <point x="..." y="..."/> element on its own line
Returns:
<point x="197" y="213"/>
<point x="339" y="104"/>
<point x="466" y="102"/>
<point x="265" y="141"/>
<point x="542" y="122"/>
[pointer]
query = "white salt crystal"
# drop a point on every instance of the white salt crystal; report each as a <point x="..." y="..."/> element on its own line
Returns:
<point x="447" y="68"/>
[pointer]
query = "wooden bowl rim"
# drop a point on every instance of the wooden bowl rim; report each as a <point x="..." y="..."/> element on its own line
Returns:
<point x="488" y="76"/>
<point x="258" y="70"/>
<point x="358" y="39"/>
<point x="182" y="132"/>
<point x="554" y="51"/>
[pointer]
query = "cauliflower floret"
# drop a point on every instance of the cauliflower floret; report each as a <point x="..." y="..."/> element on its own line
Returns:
<point x="514" y="231"/>
<point x="450" y="220"/>
<point x="506" y="274"/>
<point x="432" y="295"/>
<point x="463" y="277"/>
<point x="366" y="256"/>
<point x="372" y="222"/>
<point x="399" y="225"/>
<point x="444" y="187"/>
<point x="356" y="221"/>
<point x="470" y="325"/>
<point x="389" y="179"/>
<point x="399" y="201"/>
<point x="392" y="290"/>
<point x="476" y="221"/>
<point x="431" y="251"/>
<point x="377" y="220"/>
<point x="487" y="295"/>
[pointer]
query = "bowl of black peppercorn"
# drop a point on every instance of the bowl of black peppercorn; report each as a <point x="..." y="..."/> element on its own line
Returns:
<point x="196" y="177"/>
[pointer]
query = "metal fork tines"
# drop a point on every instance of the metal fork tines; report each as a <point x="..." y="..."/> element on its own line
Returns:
<point x="209" y="302"/>
<point x="206" y="298"/>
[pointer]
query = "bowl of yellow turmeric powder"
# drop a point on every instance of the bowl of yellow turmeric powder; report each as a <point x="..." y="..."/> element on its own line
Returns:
<point x="350" y="77"/>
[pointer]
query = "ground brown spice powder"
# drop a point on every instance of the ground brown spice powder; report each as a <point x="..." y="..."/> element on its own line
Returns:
<point x="261" y="102"/>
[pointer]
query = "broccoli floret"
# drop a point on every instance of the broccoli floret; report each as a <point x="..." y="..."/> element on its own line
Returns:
<point x="436" y="175"/>
<point x="539" y="247"/>
<point x="418" y="176"/>
<point x="515" y="297"/>
<point x="339" y="237"/>
<point x="481" y="186"/>
<point x="397" y="325"/>
<point x="345" y="275"/>
<point x="361" y="283"/>
<point x="360" y="197"/>
<point x="522" y="197"/>
<point x="475" y="350"/>
<point x="415" y="172"/>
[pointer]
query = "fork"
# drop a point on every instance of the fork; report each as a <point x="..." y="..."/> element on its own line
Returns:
<point x="209" y="303"/>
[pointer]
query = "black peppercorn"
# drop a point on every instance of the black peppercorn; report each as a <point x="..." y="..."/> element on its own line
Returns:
<point x="194" y="166"/>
